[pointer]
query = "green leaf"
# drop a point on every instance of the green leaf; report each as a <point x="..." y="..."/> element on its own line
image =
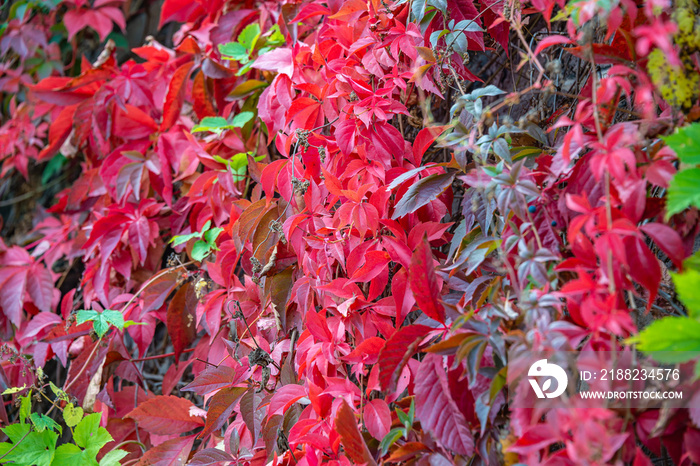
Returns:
<point x="130" y="323"/>
<point x="241" y="119"/>
<point x="239" y="162"/>
<point x="235" y="51"/>
<point x="275" y="37"/>
<point x="113" y="457"/>
<point x="687" y="286"/>
<point x="72" y="415"/>
<point x="68" y="455"/>
<point x="683" y="191"/>
<point x="90" y="435"/>
<point x="60" y="394"/>
<point x="25" y="407"/>
<point x="670" y="340"/>
<point x="53" y="167"/>
<point x="404" y="418"/>
<point x="211" y="235"/>
<point x="200" y="250"/>
<point x="42" y="422"/>
<point x="16" y="431"/>
<point x="181" y="239"/>
<point x="249" y="36"/>
<point x="37" y="448"/>
<point x="13" y="390"/>
<point x="389" y="439"/>
<point x="101" y="321"/>
<point x="685" y="142"/>
<point x="212" y="124"/>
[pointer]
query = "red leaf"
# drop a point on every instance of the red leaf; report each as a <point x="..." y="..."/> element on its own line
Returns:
<point x="202" y="104"/>
<point x="214" y="378"/>
<point x="437" y="411"/>
<point x="316" y="323"/>
<point x="375" y="263"/>
<point x="181" y="318"/>
<point x="605" y="54"/>
<point x="668" y="240"/>
<point x="166" y="415"/>
<point x="397" y="351"/>
<point x="221" y="407"/>
<point x="425" y="283"/>
<point x="425" y="138"/>
<point x="178" y="10"/>
<point x="157" y="291"/>
<point x="377" y="418"/>
<point x="12" y="283"/>
<point x="640" y="459"/>
<point x="285" y="397"/>
<point x="550" y="41"/>
<point x="355" y="446"/>
<point x="176" y="96"/>
<point x="346" y="136"/>
<point x="643" y="266"/>
<point x="59" y="131"/>
<point x="210" y="457"/>
<point x="173" y="452"/>
<point x="40" y="286"/>
<point x="366" y="352"/>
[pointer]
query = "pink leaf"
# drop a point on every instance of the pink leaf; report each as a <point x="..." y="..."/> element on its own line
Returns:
<point x="278" y="60"/>
<point x="285" y="397"/>
<point x="550" y="41"/>
<point x="377" y="418"/>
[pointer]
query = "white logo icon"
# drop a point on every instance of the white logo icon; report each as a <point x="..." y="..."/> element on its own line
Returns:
<point x="548" y="371"/>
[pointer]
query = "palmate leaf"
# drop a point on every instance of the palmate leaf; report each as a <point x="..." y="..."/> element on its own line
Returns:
<point x="101" y="321"/>
<point x="37" y="448"/>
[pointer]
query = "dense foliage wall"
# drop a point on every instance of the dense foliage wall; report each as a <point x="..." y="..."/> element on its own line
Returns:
<point x="322" y="231"/>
